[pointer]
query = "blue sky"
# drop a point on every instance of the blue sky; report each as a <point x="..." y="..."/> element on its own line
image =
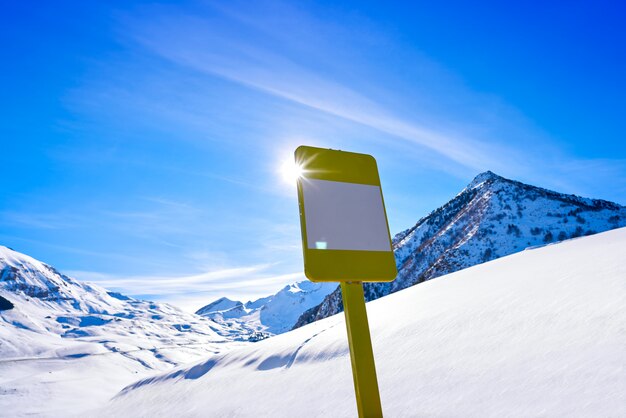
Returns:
<point x="141" y="142"/>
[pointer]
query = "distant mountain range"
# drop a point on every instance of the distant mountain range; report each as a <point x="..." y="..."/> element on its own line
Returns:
<point x="46" y="313"/>
<point x="269" y="315"/>
<point x="491" y="218"/>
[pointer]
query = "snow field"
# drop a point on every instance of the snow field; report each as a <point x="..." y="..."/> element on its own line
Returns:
<point x="537" y="333"/>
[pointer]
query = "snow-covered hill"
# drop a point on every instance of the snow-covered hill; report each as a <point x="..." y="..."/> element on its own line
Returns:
<point x="490" y="218"/>
<point x="269" y="315"/>
<point x="536" y="333"/>
<point x="60" y="338"/>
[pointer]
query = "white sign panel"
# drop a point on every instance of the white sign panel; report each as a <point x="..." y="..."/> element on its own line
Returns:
<point x="344" y="216"/>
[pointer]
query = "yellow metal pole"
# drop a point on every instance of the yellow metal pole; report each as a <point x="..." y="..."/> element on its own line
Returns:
<point x="361" y="354"/>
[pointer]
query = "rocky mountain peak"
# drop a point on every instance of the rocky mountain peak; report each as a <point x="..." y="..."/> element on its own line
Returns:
<point x="485" y="177"/>
<point x="221" y="304"/>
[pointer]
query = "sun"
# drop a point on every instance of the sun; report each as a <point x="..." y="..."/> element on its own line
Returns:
<point x="290" y="171"/>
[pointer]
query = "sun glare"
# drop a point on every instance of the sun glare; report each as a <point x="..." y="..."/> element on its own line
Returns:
<point x="290" y="171"/>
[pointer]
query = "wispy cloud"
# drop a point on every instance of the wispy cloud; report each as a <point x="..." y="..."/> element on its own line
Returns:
<point x="287" y="53"/>
<point x="108" y="256"/>
<point x="215" y="49"/>
<point x="244" y="283"/>
<point x="410" y="105"/>
<point x="39" y="220"/>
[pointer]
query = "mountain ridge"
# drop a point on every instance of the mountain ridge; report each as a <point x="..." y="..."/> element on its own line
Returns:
<point x="469" y="230"/>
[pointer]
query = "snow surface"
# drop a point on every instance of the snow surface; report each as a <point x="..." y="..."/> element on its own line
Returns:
<point x="537" y="333"/>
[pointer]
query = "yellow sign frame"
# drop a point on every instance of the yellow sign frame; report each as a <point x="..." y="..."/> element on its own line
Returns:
<point x="324" y="265"/>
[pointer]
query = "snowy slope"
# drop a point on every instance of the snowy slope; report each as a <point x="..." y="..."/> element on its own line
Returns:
<point x="269" y="315"/>
<point x="537" y="333"/>
<point x="490" y="218"/>
<point x="63" y="337"/>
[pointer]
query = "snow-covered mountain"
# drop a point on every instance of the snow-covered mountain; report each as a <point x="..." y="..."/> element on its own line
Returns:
<point x="46" y="302"/>
<point x="55" y="331"/>
<point x="269" y="315"/>
<point x="490" y="218"/>
<point x="536" y="333"/>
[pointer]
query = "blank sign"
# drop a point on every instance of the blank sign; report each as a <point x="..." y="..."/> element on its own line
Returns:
<point x="344" y="216"/>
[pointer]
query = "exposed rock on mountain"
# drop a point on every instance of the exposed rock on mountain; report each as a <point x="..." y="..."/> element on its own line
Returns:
<point x="5" y="304"/>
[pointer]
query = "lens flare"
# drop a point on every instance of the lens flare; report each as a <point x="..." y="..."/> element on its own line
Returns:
<point x="290" y="171"/>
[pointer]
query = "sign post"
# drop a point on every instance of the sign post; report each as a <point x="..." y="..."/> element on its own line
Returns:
<point x="345" y="238"/>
